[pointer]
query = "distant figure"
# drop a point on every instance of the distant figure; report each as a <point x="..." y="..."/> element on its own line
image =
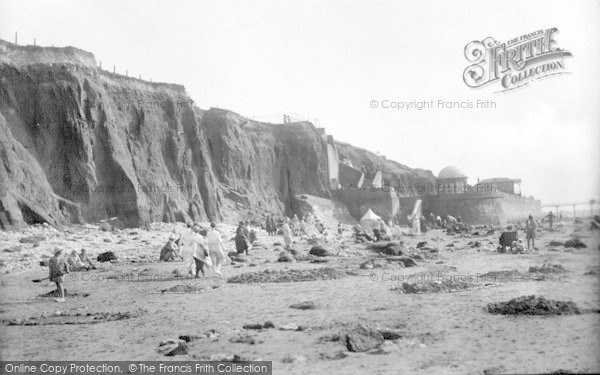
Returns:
<point x="169" y="251"/>
<point x="310" y="219"/>
<point x="415" y="221"/>
<point x="74" y="262"/>
<point x="295" y="224"/>
<point x="302" y="227"/>
<point x="58" y="267"/>
<point x="530" y="229"/>
<point x="86" y="260"/>
<point x="340" y="230"/>
<point x="287" y="235"/>
<point x="551" y="219"/>
<point x="507" y="239"/>
<point x="241" y="239"/>
<point x="215" y="248"/>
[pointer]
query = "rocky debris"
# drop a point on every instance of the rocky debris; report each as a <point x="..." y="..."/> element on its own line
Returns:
<point x="532" y="305"/>
<point x="294" y="359"/>
<point x="32" y="239"/>
<point x="438" y="286"/>
<point x="241" y="258"/>
<point x="187" y="288"/>
<point x="178" y="273"/>
<point x="306" y="305"/>
<point x="320" y="251"/>
<point x="291" y="327"/>
<point x="575" y="243"/>
<point x="265" y="325"/>
<point x="548" y="268"/>
<point x="421" y="244"/>
<point x="107" y="256"/>
<point x="387" y="247"/>
<point x="284" y="276"/>
<point x="70" y="319"/>
<point x="374" y="263"/>
<point x="406" y="261"/>
<point x="54" y="293"/>
<point x="387" y="347"/>
<point x="390" y="334"/>
<point x="498" y="276"/>
<point x="474" y="244"/>
<point x="226" y="357"/>
<point x="13" y="249"/>
<point x="171" y="348"/>
<point x="336" y="356"/>
<point x="363" y="338"/>
<point x="285" y="256"/>
<point x="190" y="338"/>
<point x="243" y="339"/>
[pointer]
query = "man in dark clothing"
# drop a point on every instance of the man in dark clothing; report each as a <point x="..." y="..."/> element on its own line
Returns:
<point x="241" y="239"/>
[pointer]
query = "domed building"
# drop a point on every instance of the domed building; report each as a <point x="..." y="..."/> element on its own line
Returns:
<point x="451" y="180"/>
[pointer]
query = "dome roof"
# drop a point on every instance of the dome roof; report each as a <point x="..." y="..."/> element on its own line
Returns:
<point x="451" y="172"/>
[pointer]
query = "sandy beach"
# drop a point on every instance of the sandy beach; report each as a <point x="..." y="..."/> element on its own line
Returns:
<point x="445" y="332"/>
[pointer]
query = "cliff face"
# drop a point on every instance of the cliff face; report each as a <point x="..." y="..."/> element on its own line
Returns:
<point x="79" y="144"/>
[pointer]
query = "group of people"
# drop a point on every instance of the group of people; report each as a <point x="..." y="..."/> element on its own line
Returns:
<point x="200" y="249"/>
<point x="309" y="226"/>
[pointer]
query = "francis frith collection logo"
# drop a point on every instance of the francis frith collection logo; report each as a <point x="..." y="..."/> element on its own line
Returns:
<point x="515" y="63"/>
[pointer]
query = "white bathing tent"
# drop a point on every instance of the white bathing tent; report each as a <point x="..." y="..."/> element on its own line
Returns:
<point x="369" y="221"/>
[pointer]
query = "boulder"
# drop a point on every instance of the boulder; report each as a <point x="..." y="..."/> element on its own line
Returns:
<point x="106" y="257"/>
<point x="173" y="347"/>
<point x="32" y="239"/>
<point x="13" y="249"/>
<point x="284" y="256"/>
<point x="575" y="243"/>
<point x="320" y="251"/>
<point x="407" y="261"/>
<point x="306" y="305"/>
<point x="363" y="338"/>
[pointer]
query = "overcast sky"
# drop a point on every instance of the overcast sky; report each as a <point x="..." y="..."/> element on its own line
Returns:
<point x="327" y="60"/>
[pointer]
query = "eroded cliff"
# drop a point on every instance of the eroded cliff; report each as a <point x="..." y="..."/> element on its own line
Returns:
<point x="80" y="144"/>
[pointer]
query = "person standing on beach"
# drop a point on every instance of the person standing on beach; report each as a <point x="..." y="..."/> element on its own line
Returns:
<point x="551" y="219"/>
<point x="287" y="235"/>
<point x="215" y="248"/>
<point x="241" y="239"/>
<point x="58" y="267"/>
<point x="530" y="228"/>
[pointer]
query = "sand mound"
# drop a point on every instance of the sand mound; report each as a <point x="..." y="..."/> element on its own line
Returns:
<point x="532" y="305"/>
<point x="269" y="276"/>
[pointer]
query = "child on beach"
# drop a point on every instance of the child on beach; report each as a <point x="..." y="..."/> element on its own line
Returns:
<point x="58" y="267"/>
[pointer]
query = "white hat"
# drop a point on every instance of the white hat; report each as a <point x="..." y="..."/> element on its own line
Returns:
<point x="57" y="250"/>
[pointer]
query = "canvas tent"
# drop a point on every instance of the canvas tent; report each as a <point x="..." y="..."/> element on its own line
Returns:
<point x="369" y="221"/>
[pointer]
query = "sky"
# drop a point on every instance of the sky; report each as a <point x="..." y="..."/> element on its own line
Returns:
<point x="329" y="61"/>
